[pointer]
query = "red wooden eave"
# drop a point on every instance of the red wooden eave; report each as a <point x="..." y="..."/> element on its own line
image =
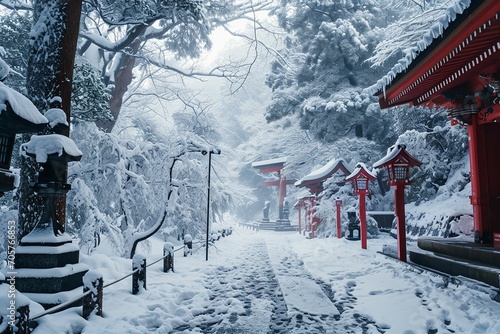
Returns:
<point x="458" y="58"/>
<point x="270" y="168"/>
<point x="277" y="182"/>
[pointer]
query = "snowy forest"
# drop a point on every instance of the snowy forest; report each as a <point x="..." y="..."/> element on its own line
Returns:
<point x="158" y="83"/>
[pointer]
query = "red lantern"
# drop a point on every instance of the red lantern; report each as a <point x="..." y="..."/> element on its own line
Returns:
<point x="360" y="178"/>
<point x="398" y="162"/>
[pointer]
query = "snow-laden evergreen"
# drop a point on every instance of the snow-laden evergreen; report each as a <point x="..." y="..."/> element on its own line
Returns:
<point x="122" y="188"/>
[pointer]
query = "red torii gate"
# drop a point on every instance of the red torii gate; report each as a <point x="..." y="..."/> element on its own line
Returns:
<point x="314" y="182"/>
<point x="460" y="70"/>
<point x="275" y="165"/>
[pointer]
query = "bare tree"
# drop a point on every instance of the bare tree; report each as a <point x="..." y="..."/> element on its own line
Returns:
<point x="145" y="40"/>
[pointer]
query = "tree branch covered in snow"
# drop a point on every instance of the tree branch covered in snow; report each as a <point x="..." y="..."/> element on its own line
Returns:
<point x="121" y="37"/>
<point x="408" y="37"/>
<point x="16" y="4"/>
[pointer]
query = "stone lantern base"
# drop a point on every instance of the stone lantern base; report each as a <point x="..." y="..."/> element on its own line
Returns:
<point x="49" y="274"/>
<point x="282" y="223"/>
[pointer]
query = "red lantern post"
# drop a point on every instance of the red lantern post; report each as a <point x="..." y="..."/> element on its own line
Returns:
<point x="314" y="220"/>
<point x="299" y="205"/>
<point x="307" y="214"/>
<point x="398" y="162"/>
<point x="361" y="176"/>
<point x="338" y="203"/>
<point x="300" y="216"/>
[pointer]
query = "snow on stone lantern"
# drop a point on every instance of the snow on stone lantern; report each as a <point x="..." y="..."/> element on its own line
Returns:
<point x="53" y="152"/>
<point x="17" y="115"/>
<point x="397" y="163"/>
<point x="47" y="262"/>
<point x="360" y="177"/>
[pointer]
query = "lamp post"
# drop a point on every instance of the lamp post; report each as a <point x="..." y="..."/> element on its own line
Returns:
<point x="361" y="176"/>
<point x="338" y="203"/>
<point x="212" y="151"/>
<point x="398" y="162"/>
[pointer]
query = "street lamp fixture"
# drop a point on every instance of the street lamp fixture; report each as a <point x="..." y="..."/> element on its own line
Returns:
<point x="205" y="152"/>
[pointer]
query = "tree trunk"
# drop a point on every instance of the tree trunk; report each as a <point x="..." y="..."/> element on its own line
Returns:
<point x="50" y="74"/>
<point x="122" y="78"/>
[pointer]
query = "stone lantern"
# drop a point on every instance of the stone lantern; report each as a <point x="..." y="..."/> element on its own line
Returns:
<point x="53" y="152"/>
<point x="47" y="261"/>
<point x="17" y="115"/>
<point x="397" y="163"/>
<point x="360" y="177"/>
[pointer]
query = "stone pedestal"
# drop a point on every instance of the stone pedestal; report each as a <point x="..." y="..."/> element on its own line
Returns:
<point x="282" y="223"/>
<point x="47" y="262"/>
<point x="48" y="271"/>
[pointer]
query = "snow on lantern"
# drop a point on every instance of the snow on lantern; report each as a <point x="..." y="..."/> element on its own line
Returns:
<point x="398" y="162"/>
<point x="53" y="152"/>
<point x="360" y="177"/>
<point x="17" y="115"/>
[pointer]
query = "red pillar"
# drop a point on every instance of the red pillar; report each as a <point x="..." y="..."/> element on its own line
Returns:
<point x="362" y="217"/>
<point x="339" y="230"/>
<point x="314" y="219"/>
<point x="307" y="218"/>
<point x="476" y="187"/>
<point x="300" y="214"/>
<point x="282" y="194"/>
<point x="399" y="210"/>
<point x="484" y="148"/>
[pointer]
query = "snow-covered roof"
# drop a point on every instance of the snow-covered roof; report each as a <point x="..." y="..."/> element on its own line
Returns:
<point x="392" y="153"/>
<point x="324" y="171"/>
<point x="359" y="167"/>
<point x="263" y="163"/>
<point x="20" y="104"/>
<point x="42" y="146"/>
<point x="434" y="32"/>
<point x="56" y="116"/>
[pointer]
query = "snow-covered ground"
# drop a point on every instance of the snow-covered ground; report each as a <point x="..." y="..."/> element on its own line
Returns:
<point x="280" y="282"/>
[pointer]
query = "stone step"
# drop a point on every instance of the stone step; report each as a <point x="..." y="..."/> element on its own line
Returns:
<point x="51" y="280"/>
<point x="467" y="251"/>
<point x="455" y="266"/>
<point x="49" y="300"/>
<point x="496" y="240"/>
<point x="46" y="256"/>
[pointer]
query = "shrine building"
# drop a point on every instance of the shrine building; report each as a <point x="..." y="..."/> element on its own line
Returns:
<point x="459" y="69"/>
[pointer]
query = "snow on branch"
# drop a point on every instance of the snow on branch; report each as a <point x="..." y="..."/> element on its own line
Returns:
<point x="16" y="4"/>
<point x="417" y="34"/>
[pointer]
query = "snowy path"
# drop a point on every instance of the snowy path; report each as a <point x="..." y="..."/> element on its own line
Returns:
<point x="266" y="296"/>
<point x="342" y="306"/>
<point x="278" y="283"/>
